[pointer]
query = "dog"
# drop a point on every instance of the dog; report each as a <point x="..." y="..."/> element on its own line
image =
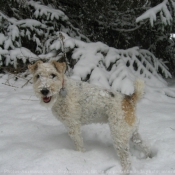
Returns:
<point x="76" y="103"/>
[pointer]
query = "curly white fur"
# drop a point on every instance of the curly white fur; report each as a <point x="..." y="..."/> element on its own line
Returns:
<point x="85" y="104"/>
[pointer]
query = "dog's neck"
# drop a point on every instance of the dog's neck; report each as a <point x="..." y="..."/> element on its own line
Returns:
<point x="68" y="83"/>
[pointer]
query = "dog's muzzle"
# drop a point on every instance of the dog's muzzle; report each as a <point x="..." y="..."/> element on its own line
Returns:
<point x="45" y="92"/>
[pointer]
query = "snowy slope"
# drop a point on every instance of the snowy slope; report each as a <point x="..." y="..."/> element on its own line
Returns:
<point x="32" y="141"/>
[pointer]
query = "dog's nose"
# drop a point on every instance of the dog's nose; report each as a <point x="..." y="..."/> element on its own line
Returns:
<point x="44" y="91"/>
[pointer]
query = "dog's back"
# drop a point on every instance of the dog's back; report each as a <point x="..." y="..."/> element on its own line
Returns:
<point x="94" y="104"/>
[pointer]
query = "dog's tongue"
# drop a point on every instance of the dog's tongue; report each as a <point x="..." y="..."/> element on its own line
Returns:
<point x="46" y="99"/>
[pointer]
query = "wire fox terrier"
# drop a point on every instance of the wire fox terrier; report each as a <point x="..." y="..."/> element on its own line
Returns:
<point x="84" y="103"/>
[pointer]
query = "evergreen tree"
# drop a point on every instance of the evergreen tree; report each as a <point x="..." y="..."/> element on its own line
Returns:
<point x="135" y="38"/>
<point x="114" y="23"/>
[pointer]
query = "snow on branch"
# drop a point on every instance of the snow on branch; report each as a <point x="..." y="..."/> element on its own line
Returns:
<point x="12" y="56"/>
<point x="50" y="13"/>
<point x="35" y="34"/>
<point x="20" y="54"/>
<point x="112" y="68"/>
<point x="164" y="9"/>
<point x="96" y="63"/>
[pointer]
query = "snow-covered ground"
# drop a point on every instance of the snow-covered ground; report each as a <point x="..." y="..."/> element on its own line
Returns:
<point x="32" y="141"/>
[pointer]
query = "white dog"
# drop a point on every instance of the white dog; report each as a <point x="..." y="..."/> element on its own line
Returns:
<point x="76" y="103"/>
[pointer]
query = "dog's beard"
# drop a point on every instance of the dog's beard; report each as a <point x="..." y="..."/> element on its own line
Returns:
<point x="48" y="103"/>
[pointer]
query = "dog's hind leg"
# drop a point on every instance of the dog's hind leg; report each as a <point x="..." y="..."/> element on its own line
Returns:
<point x="121" y="139"/>
<point x="137" y="140"/>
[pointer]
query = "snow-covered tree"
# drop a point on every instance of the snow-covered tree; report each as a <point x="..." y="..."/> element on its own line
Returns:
<point x="34" y="33"/>
<point x="108" y="67"/>
<point x="114" y="23"/>
<point x="166" y="15"/>
<point x="30" y="30"/>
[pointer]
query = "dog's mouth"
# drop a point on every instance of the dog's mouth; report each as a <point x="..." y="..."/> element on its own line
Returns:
<point x="46" y="99"/>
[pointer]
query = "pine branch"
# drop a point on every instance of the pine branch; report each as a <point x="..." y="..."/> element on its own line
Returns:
<point x="165" y="14"/>
<point x="64" y="52"/>
<point x="113" y="68"/>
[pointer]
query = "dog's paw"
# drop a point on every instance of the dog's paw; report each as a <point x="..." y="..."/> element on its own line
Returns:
<point x="81" y="150"/>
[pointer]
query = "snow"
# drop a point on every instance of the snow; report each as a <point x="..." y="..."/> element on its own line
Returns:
<point x="34" y="142"/>
<point x="114" y="68"/>
<point x="14" y="32"/>
<point x="2" y="38"/>
<point x="47" y="11"/>
<point x="3" y="52"/>
<point x="22" y="53"/>
<point x="172" y="35"/>
<point x="30" y="23"/>
<point x="99" y="78"/>
<point x="165" y="14"/>
<point x="8" y="44"/>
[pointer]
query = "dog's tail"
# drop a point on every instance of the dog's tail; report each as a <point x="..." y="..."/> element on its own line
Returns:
<point x="139" y="90"/>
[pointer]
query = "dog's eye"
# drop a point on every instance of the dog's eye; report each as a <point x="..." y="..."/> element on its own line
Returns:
<point x="53" y="75"/>
<point x="37" y="76"/>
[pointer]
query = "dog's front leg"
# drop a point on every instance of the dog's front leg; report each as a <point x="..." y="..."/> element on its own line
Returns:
<point x="74" y="131"/>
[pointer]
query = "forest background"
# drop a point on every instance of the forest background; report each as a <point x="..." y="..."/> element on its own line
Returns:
<point x="107" y="43"/>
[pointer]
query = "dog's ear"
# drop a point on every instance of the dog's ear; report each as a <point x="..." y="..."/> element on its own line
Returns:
<point x="61" y="67"/>
<point x="32" y="68"/>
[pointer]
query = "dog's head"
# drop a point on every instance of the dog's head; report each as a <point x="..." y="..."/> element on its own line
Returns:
<point x="47" y="80"/>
